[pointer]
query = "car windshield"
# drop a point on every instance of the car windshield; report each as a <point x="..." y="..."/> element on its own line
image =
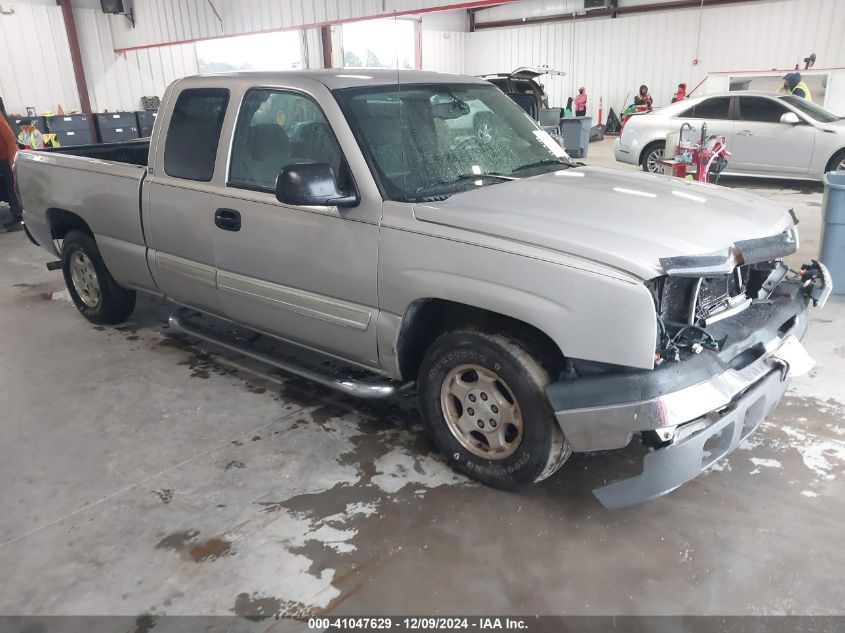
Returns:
<point x="427" y="142"/>
<point x="811" y="109"/>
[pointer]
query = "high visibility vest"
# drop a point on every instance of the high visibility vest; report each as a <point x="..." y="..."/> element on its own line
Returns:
<point x="33" y="140"/>
<point x="50" y="140"/>
<point x="802" y="86"/>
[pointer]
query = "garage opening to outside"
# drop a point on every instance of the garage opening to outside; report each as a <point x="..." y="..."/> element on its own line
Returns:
<point x="385" y="43"/>
<point x="261" y="51"/>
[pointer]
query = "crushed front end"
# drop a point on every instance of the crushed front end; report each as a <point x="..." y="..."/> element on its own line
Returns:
<point x="729" y="331"/>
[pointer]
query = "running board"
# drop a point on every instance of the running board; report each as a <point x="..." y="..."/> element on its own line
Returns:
<point x="370" y="386"/>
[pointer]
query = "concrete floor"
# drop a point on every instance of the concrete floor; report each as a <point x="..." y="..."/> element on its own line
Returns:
<point x="141" y="476"/>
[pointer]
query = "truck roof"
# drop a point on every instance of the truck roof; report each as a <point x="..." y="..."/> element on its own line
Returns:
<point x="336" y="78"/>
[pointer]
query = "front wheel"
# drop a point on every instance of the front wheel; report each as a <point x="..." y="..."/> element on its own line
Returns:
<point x="92" y="288"/>
<point x="483" y="404"/>
<point x="652" y="157"/>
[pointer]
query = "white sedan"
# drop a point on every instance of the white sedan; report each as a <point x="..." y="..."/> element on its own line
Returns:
<point x="768" y="134"/>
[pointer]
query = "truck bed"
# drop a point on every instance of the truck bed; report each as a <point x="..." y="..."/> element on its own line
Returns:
<point x="100" y="184"/>
<point x="131" y="152"/>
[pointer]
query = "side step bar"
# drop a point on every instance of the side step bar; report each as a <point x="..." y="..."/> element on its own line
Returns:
<point x="373" y="387"/>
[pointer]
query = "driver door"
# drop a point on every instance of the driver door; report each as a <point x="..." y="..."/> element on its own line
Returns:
<point x="763" y="144"/>
<point x="304" y="274"/>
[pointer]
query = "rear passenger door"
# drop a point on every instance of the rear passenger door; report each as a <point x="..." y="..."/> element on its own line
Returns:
<point x="305" y="274"/>
<point x="763" y="144"/>
<point x="716" y="112"/>
<point x="179" y="202"/>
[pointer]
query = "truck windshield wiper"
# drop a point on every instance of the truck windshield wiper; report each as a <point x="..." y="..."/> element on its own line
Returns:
<point x="446" y="182"/>
<point x="543" y="163"/>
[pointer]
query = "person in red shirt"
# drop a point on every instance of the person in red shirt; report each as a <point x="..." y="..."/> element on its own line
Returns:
<point x="680" y="94"/>
<point x="8" y="149"/>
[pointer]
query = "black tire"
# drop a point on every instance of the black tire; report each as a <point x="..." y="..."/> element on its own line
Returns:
<point x="110" y="304"/>
<point x="836" y="162"/>
<point x="542" y="448"/>
<point x="651" y="152"/>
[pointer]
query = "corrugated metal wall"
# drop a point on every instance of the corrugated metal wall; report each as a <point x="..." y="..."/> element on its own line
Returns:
<point x="545" y="8"/>
<point x="612" y="57"/>
<point x="160" y="21"/>
<point x="444" y="51"/>
<point x="117" y="81"/>
<point x="35" y="67"/>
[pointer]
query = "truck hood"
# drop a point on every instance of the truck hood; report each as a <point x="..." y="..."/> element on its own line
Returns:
<point x="625" y="220"/>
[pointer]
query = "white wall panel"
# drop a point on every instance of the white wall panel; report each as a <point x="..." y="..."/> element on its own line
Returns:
<point x="528" y="9"/>
<point x="612" y="57"/>
<point x="444" y="51"/>
<point x="117" y="81"/>
<point x="32" y="74"/>
<point x="163" y="21"/>
<point x="454" y="20"/>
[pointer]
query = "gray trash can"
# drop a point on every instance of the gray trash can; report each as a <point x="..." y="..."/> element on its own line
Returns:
<point x="575" y="131"/>
<point x="833" y="229"/>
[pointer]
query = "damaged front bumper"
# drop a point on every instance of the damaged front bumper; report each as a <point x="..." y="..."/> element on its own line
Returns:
<point x="687" y="405"/>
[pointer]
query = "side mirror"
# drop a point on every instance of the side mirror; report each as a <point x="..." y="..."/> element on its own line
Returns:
<point x="790" y="117"/>
<point x="312" y="184"/>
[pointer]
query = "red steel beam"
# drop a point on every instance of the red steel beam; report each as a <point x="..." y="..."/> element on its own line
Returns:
<point x="326" y="41"/>
<point x="78" y="68"/>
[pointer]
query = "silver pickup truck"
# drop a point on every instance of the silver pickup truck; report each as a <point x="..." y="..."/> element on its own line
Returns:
<point x="371" y="240"/>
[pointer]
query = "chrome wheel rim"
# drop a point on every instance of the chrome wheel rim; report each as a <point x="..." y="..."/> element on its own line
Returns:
<point x="84" y="279"/>
<point x="652" y="163"/>
<point x="840" y="166"/>
<point x="481" y="412"/>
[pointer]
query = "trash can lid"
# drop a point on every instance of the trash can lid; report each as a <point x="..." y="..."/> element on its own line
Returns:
<point x="835" y="179"/>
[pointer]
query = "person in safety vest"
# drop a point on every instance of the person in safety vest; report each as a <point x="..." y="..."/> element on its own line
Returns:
<point x="30" y="136"/>
<point x="792" y="84"/>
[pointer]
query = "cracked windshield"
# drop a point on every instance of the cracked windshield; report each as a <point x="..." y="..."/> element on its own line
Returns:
<point x="431" y="142"/>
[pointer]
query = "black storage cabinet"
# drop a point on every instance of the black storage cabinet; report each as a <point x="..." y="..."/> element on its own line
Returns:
<point x="116" y="127"/>
<point x="146" y="119"/>
<point x="70" y="129"/>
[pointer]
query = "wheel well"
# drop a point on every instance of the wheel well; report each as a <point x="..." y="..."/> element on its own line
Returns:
<point x="647" y="149"/>
<point x="426" y="319"/>
<point x="62" y="222"/>
<point x="838" y="155"/>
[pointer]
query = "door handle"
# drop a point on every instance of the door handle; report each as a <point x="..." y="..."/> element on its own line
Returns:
<point x="745" y="133"/>
<point x="227" y="219"/>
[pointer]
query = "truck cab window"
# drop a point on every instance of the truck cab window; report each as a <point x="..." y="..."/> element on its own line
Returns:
<point x="276" y="129"/>
<point x="191" y="146"/>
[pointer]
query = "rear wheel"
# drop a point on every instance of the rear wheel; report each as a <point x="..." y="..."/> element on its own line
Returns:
<point x="92" y="288"/>
<point x="651" y="157"/>
<point x="484" y="406"/>
<point x="837" y="163"/>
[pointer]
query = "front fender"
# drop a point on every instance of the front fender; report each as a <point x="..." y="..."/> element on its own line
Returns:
<point x="588" y="315"/>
